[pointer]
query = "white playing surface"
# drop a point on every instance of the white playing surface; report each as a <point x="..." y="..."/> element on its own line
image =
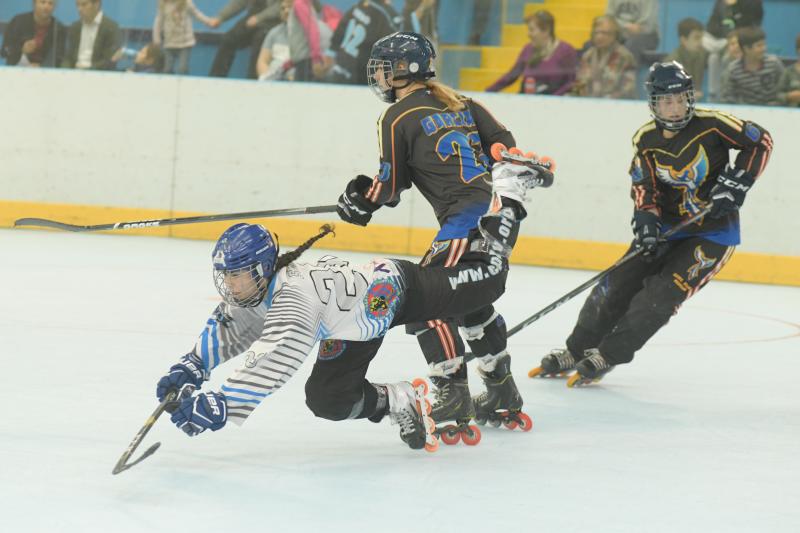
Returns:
<point x="700" y="433"/>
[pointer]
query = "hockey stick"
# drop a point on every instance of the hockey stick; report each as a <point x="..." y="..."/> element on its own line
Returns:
<point x="122" y="464"/>
<point x="45" y="223"/>
<point x="589" y="283"/>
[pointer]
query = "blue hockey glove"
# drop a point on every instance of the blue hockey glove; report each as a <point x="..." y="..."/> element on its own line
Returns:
<point x="188" y="370"/>
<point x="646" y="228"/>
<point x="207" y="410"/>
<point x="353" y="207"/>
<point x="729" y="192"/>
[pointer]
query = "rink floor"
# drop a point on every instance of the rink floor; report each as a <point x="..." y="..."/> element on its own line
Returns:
<point x="700" y="433"/>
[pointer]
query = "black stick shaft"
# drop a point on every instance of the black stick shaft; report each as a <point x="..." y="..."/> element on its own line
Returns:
<point x="122" y="463"/>
<point x="138" y="224"/>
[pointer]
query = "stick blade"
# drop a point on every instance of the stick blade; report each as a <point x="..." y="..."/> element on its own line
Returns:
<point x="45" y="223"/>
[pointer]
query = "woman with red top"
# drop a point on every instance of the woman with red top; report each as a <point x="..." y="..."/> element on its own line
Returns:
<point x="546" y="65"/>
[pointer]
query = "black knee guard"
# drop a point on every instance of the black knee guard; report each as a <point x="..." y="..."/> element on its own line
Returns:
<point x="442" y="347"/>
<point x="487" y="337"/>
<point x="333" y="403"/>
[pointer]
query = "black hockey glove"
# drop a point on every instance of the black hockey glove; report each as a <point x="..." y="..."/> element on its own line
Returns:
<point x="729" y="192"/>
<point x="646" y="228"/>
<point x="352" y="206"/>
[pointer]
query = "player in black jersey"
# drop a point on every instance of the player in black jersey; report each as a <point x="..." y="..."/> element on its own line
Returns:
<point x="361" y="26"/>
<point x="681" y="166"/>
<point x="437" y="140"/>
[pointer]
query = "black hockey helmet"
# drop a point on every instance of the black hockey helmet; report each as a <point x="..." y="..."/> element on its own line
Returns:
<point x="397" y="57"/>
<point x="663" y="81"/>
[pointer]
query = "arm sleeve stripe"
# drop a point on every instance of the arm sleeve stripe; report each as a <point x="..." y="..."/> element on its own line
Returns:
<point x="244" y="391"/>
<point x="215" y="344"/>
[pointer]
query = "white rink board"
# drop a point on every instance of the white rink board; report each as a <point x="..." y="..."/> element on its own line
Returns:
<point x="699" y="434"/>
<point x="195" y="144"/>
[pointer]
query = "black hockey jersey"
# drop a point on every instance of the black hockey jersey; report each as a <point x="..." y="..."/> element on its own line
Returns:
<point x="442" y="152"/>
<point x="361" y="26"/>
<point x="675" y="176"/>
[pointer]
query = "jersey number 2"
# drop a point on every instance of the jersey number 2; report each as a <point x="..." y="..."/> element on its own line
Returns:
<point x="460" y="145"/>
<point x="344" y="284"/>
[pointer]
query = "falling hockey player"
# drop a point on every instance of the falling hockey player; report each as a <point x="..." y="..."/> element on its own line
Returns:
<point x="681" y="166"/>
<point x="275" y="310"/>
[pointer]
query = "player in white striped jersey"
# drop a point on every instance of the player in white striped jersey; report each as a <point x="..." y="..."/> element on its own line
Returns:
<point x="275" y="310"/>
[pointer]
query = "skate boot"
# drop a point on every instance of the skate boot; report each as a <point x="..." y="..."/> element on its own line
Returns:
<point x="409" y="409"/>
<point x="452" y="402"/>
<point x="557" y="363"/>
<point x="501" y="403"/>
<point x="516" y="172"/>
<point x="590" y="369"/>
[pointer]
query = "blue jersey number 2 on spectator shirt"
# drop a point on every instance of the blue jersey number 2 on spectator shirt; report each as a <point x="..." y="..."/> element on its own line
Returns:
<point x="456" y="143"/>
<point x="353" y="37"/>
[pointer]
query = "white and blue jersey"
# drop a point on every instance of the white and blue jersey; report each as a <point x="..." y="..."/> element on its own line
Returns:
<point x="305" y="304"/>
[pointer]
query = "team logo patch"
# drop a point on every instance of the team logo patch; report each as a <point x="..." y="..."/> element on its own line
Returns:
<point x="636" y="172"/>
<point x="752" y="132"/>
<point x="380" y="298"/>
<point x="703" y="263"/>
<point x="331" y="349"/>
<point x="385" y="173"/>
<point x="438" y="247"/>
<point x="687" y="179"/>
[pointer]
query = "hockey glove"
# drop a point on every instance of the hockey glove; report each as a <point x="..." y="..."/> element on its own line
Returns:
<point x="352" y="206"/>
<point x="195" y="414"/>
<point x="188" y="370"/>
<point x="729" y="192"/>
<point x="646" y="228"/>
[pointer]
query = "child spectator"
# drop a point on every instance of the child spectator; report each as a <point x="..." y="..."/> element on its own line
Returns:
<point x="546" y="65"/>
<point x="754" y="78"/>
<point x="150" y="59"/>
<point x="173" y="32"/>
<point x="789" y="86"/>
<point x="690" y="53"/>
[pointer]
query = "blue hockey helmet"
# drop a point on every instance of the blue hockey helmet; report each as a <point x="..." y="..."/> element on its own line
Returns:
<point x="244" y="262"/>
<point x="397" y="57"/>
<point x="671" y="93"/>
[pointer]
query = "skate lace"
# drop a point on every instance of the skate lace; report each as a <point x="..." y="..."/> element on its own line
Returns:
<point x="564" y="359"/>
<point x="406" y="422"/>
<point x="598" y="361"/>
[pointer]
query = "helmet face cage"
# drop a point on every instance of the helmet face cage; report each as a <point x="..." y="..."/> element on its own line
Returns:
<point x="669" y="84"/>
<point x="242" y="287"/>
<point x="670" y="123"/>
<point x="381" y="75"/>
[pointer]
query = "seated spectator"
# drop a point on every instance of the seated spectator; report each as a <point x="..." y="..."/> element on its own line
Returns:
<point x="150" y="59"/>
<point x="727" y="16"/>
<point x="732" y="52"/>
<point x="754" y="78"/>
<point x="346" y="60"/>
<point x="303" y="36"/>
<point x="94" y="41"/>
<point x="789" y="86"/>
<point x="638" y="22"/>
<point x="481" y="12"/>
<point x="690" y="53"/>
<point x="174" y="34"/>
<point x="607" y="69"/>
<point x="546" y="65"/>
<point x="35" y="39"/>
<point x="262" y="16"/>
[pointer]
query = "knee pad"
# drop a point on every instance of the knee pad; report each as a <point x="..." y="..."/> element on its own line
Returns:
<point x="439" y="343"/>
<point x="487" y="337"/>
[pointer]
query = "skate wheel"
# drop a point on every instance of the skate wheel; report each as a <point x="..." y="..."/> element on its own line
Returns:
<point x="508" y="422"/>
<point x="432" y="446"/>
<point x="497" y="151"/>
<point x="548" y="162"/>
<point x="420" y="382"/>
<point x="525" y="422"/>
<point x="450" y="435"/>
<point x="574" y="380"/>
<point x="531" y="155"/>
<point x="495" y="422"/>
<point x="471" y="436"/>
<point x="428" y="407"/>
<point x="533" y="372"/>
<point x="516" y="151"/>
<point x="480" y="421"/>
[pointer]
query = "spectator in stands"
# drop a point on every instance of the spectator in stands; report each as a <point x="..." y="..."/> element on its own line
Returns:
<point x="789" y="86"/>
<point x="727" y="16"/>
<point x="150" y="59"/>
<point x="546" y="65"/>
<point x="298" y="41"/>
<point x="421" y="16"/>
<point x="94" y="41"/>
<point x="690" y="53"/>
<point x="607" y="69"/>
<point x="481" y="12"/>
<point x="638" y="22"/>
<point x="35" y="39"/>
<point x="262" y="16"/>
<point x="173" y="32"/>
<point x="732" y="52"/>
<point x="754" y="78"/>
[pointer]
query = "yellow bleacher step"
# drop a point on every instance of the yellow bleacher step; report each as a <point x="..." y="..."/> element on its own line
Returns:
<point x="499" y="57"/>
<point x="478" y="79"/>
<point x="515" y="35"/>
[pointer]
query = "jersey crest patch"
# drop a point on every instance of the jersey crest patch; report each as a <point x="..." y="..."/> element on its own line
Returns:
<point x="752" y="132"/>
<point x="385" y="173"/>
<point x="380" y="298"/>
<point x="331" y="349"/>
<point x="438" y="247"/>
<point x="636" y="172"/>
<point x="687" y="179"/>
<point x="703" y="263"/>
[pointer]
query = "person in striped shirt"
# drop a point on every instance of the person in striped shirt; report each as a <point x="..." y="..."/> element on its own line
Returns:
<point x="755" y="78"/>
<point x="276" y="309"/>
<point x="681" y="167"/>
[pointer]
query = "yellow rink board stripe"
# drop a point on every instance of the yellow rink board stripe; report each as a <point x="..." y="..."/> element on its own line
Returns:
<point x="381" y="239"/>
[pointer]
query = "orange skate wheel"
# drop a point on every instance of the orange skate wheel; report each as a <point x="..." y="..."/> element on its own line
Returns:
<point x="432" y="446"/>
<point x="471" y="436"/>
<point x="419" y="381"/>
<point x="549" y="163"/>
<point x="428" y="407"/>
<point x="450" y="435"/>
<point x="515" y="151"/>
<point x="525" y="422"/>
<point x="531" y="155"/>
<point x="496" y="151"/>
<point x="510" y="424"/>
<point x="533" y="372"/>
